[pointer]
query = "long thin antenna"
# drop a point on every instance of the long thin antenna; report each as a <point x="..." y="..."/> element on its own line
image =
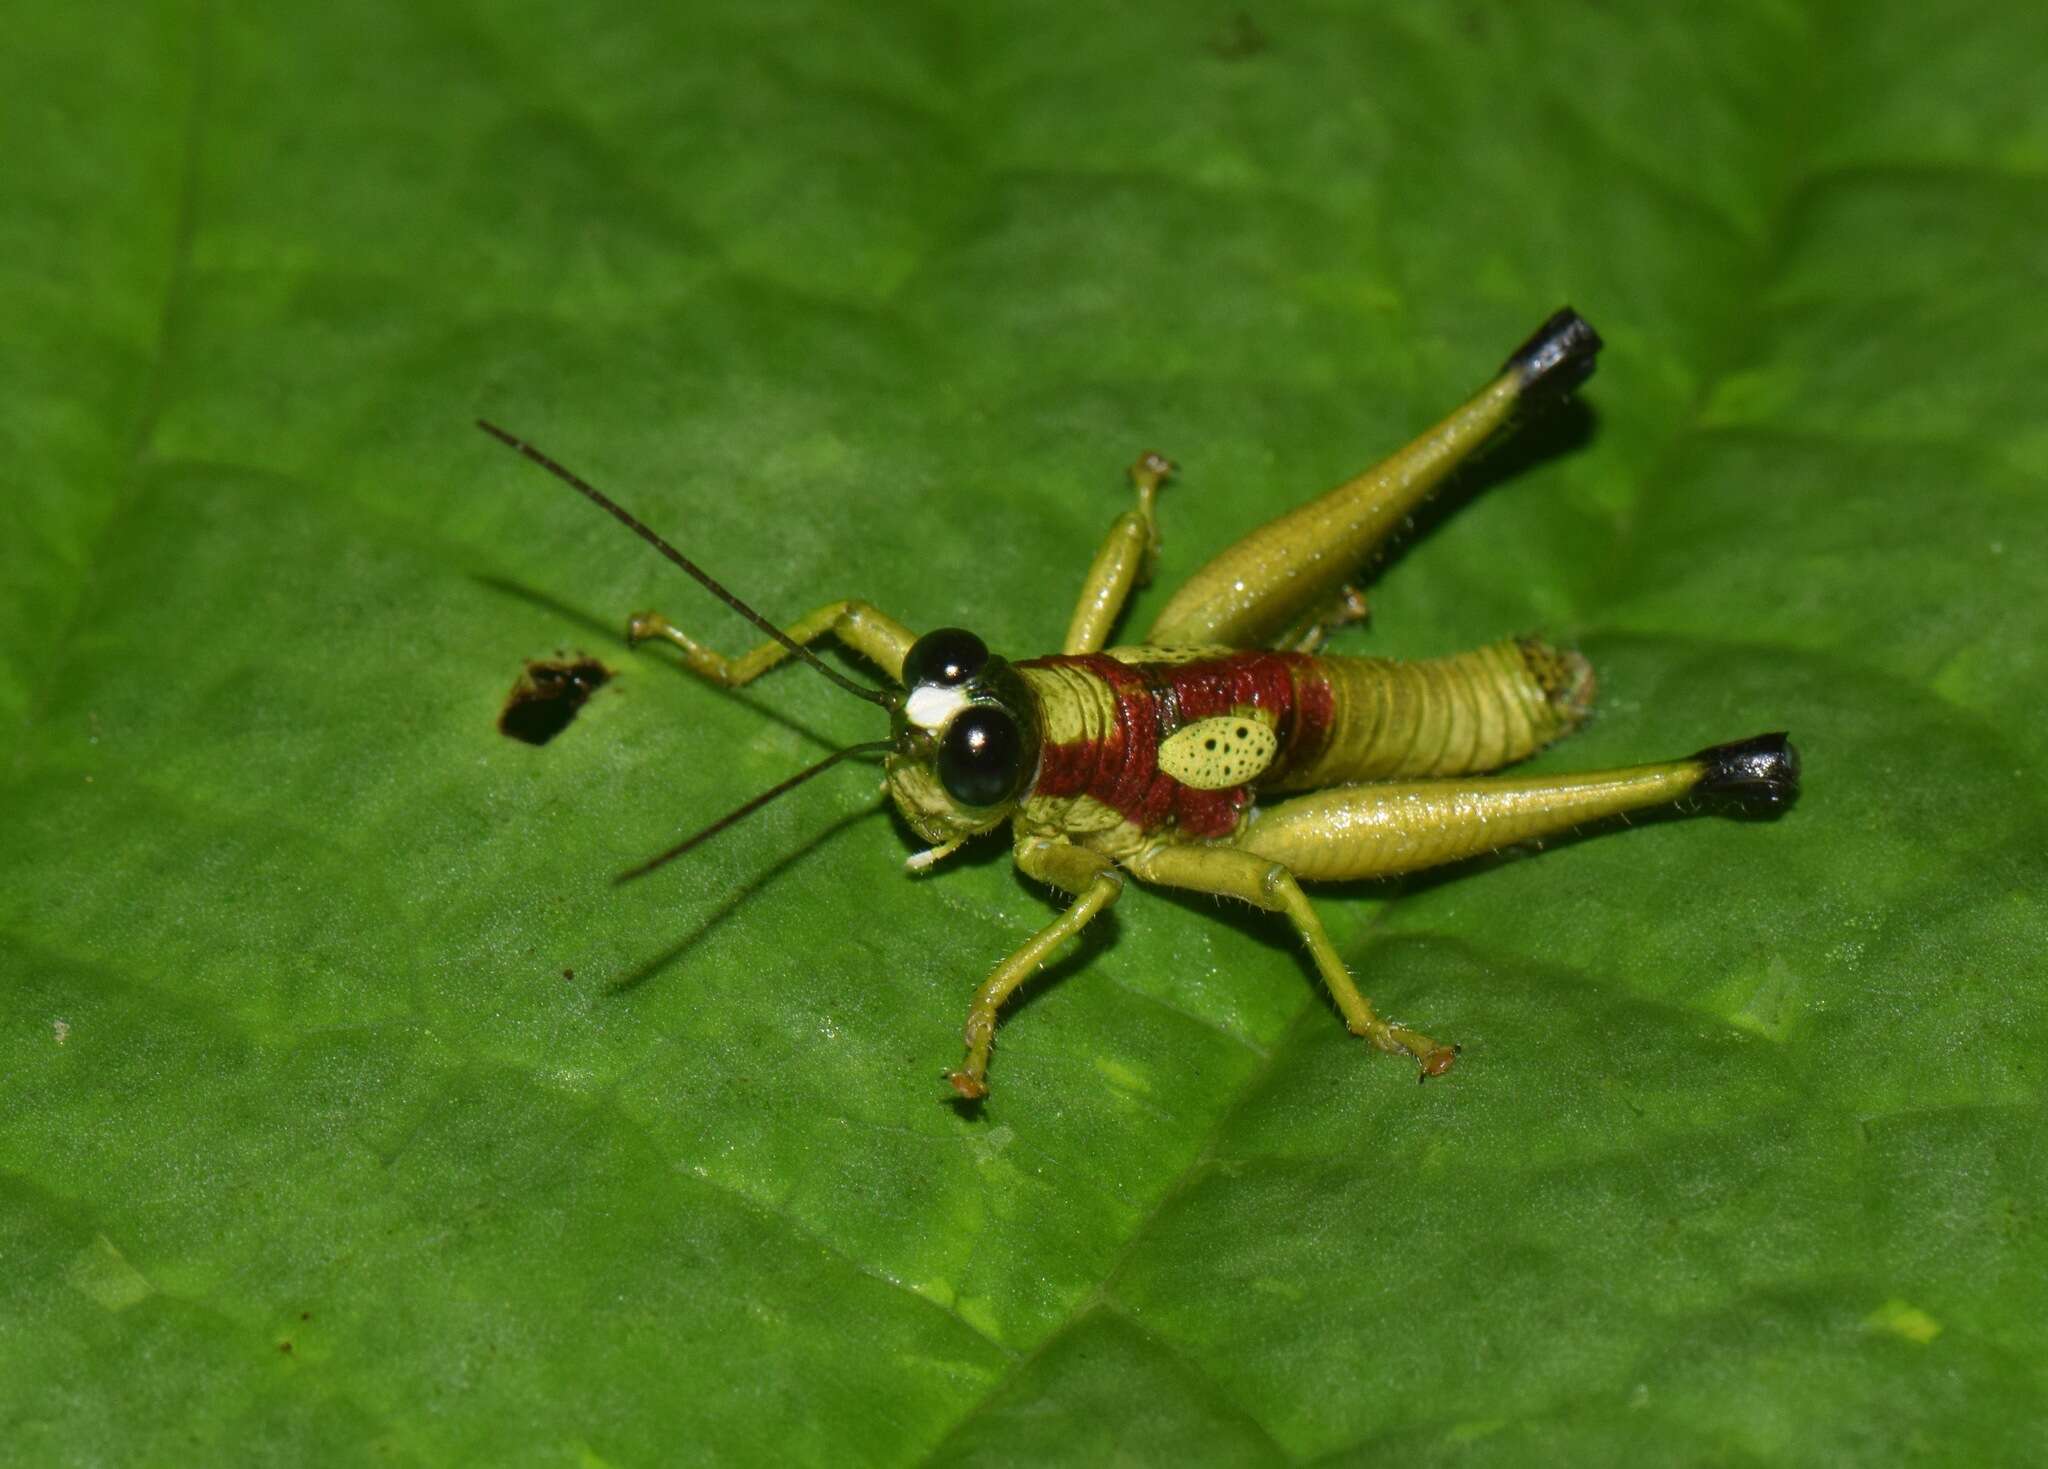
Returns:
<point x="625" y="517"/>
<point x="742" y="812"/>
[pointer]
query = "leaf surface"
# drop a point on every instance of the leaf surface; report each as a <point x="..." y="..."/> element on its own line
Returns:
<point x="352" y="1113"/>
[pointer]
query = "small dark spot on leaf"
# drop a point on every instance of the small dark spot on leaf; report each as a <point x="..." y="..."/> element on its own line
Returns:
<point x="547" y="696"/>
<point x="1240" y="40"/>
<point x="305" y="1315"/>
<point x="568" y="974"/>
<point x="285" y="1347"/>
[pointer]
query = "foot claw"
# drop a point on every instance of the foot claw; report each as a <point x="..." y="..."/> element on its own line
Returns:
<point x="969" y="1088"/>
<point x="1438" y="1061"/>
<point x="1151" y="470"/>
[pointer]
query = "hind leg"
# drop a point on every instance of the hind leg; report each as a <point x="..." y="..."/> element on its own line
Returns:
<point x="1385" y="829"/>
<point x="1382" y="830"/>
<point x="1290" y="568"/>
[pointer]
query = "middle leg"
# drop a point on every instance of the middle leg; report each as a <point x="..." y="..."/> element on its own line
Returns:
<point x="1264" y="883"/>
<point x="1125" y="561"/>
<point x="1309" y="634"/>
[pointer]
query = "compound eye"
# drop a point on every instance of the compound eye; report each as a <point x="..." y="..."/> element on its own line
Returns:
<point x="981" y="757"/>
<point x="948" y="657"/>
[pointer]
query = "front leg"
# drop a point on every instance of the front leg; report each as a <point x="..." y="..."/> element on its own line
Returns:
<point x="1124" y="561"/>
<point x="1094" y="880"/>
<point x="876" y="636"/>
<point x="1264" y="883"/>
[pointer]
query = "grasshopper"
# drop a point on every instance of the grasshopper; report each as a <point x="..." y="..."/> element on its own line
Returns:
<point x="1157" y="760"/>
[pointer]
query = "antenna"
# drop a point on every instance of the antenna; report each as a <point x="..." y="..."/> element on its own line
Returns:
<point x="740" y="813"/>
<point x="604" y="502"/>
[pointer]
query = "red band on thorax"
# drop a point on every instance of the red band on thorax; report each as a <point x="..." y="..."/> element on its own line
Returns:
<point x="1120" y="768"/>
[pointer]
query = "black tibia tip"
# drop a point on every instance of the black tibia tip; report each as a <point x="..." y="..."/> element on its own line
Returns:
<point x="1757" y="774"/>
<point x="1558" y="357"/>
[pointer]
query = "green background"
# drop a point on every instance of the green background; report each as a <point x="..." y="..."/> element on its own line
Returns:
<point x="312" y="1149"/>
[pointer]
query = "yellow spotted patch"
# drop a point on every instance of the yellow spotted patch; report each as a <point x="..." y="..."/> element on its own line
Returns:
<point x="1216" y="754"/>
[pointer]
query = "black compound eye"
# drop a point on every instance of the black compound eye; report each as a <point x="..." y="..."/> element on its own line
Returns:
<point x="981" y="757"/>
<point x="948" y="657"/>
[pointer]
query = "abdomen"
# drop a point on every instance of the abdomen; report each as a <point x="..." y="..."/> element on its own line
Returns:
<point x="1471" y="712"/>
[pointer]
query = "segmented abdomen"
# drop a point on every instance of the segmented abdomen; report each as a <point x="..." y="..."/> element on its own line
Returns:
<point x="1471" y="712"/>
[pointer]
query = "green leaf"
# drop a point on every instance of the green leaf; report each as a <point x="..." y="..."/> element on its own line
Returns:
<point x="352" y="1114"/>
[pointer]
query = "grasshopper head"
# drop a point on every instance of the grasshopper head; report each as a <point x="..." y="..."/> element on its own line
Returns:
<point x="964" y="738"/>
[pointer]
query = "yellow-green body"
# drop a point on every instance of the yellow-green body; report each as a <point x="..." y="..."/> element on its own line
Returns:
<point x="1236" y="798"/>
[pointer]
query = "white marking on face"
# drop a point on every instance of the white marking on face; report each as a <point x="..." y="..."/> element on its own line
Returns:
<point x="932" y="707"/>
